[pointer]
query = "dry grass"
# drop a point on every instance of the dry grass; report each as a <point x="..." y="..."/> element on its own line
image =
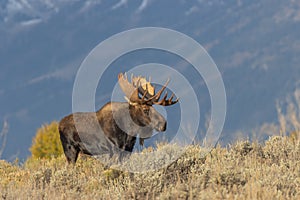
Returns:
<point x="242" y="171"/>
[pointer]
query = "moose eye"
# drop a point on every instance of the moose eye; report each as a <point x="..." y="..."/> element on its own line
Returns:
<point x="146" y="111"/>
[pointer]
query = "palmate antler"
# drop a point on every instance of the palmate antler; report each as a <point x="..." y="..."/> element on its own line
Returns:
<point x="139" y="85"/>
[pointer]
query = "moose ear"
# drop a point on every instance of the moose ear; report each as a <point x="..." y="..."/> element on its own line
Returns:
<point x="131" y="103"/>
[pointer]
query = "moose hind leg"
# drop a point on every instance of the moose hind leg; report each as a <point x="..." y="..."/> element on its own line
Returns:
<point x="70" y="150"/>
<point x="71" y="154"/>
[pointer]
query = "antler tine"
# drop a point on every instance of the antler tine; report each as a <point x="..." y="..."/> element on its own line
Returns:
<point x="172" y="96"/>
<point x="167" y="102"/>
<point x="165" y="97"/>
<point x="156" y="97"/>
<point x="145" y="94"/>
<point x="164" y="101"/>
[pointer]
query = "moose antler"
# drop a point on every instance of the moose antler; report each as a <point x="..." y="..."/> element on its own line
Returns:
<point x="131" y="89"/>
<point x="140" y="85"/>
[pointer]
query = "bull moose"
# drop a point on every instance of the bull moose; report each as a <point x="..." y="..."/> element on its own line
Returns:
<point x="115" y="127"/>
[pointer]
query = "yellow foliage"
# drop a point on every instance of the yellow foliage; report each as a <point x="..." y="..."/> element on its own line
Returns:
<point x="46" y="143"/>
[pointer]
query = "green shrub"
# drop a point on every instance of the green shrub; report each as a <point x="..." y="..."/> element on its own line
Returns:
<point x="46" y="143"/>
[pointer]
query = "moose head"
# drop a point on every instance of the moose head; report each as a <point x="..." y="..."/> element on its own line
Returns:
<point x="141" y="96"/>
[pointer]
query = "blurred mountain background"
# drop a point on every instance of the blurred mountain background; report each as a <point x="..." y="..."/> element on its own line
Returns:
<point x="255" y="44"/>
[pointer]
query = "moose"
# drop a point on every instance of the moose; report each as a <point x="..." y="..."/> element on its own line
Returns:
<point x="115" y="127"/>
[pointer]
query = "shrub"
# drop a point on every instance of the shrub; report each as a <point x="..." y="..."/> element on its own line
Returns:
<point x="46" y="143"/>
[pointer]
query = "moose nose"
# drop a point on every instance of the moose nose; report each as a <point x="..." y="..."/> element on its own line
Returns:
<point x="162" y="126"/>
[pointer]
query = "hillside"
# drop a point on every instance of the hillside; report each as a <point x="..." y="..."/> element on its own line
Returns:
<point x="241" y="171"/>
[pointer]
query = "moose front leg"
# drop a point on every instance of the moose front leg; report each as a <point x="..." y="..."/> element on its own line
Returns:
<point x="142" y="141"/>
<point x="125" y="150"/>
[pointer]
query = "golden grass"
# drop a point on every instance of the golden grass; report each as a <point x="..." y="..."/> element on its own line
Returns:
<point x="242" y="171"/>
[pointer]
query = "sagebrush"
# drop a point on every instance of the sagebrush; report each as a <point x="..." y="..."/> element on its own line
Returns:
<point x="244" y="170"/>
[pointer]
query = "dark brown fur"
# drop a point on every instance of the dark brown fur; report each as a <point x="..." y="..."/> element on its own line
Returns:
<point x="108" y="131"/>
